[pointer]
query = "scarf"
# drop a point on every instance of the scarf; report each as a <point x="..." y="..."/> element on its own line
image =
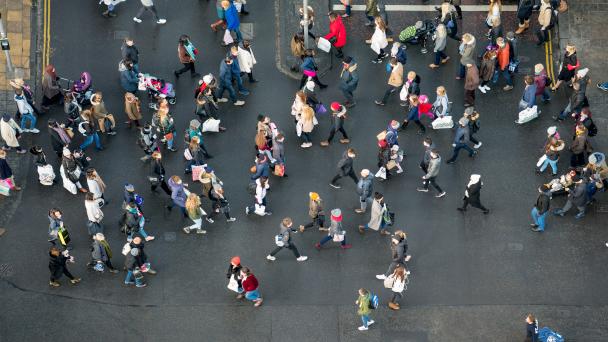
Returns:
<point x="65" y="138"/>
<point x="474" y="179"/>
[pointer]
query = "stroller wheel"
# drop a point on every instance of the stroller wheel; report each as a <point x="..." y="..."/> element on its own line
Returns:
<point x="152" y="105"/>
<point x="172" y="100"/>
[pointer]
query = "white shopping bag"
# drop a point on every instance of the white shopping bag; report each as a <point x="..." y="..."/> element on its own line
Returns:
<point x="541" y="160"/>
<point x="46" y="175"/>
<point x="211" y="125"/>
<point x="228" y="38"/>
<point x="442" y="123"/>
<point x="403" y="93"/>
<point x="260" y="210"/>
<point x="527" y="115"/>
<point x="381" y="173"/>
<point x="324" y="44"/>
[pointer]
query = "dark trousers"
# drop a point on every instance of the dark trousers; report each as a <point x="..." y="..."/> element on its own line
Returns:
<point x="351" y="174"/>
<point x="315" y="79"/>
<point x="318" y="221"/>
<point x="439" y="55"/>
<point x="291" y="246"/>
<point x="431" y="181"/>
<point x="577" y="159"/>
<point x="391" y="89"/>
<point x="542" y="35"/>
<point x="348" y="95"/>
<point x="187" y="66"/>
<point x="65" y="271"/>
<point x="392" y="267"/>
<point x="152" y="9"/>
<point x="478" y="205"/>
<point x="459" y="147"/>
<point x="163" y="185"/>
<point x="469" y="98"/>
<point x="333" y="131"/>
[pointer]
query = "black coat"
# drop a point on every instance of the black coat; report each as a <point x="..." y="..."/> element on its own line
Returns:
<point x="5" y="169"/>
<point x="474" y="191"/>
<point x="56" y="141"/>
<point x="57" y="265"/>
<point x="543" y="202"/>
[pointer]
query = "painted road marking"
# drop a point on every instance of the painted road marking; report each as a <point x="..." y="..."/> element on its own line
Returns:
<point x="427" y="8"/>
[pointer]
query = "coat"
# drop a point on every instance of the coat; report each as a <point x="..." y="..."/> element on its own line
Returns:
<point x="50" y="87"/>
<point x="129" y="80"/>
<point x="543" y="202"/>
<point x="365" y="187"/>
<point x="433" y="168"/>
<point x="101" y="251"/>
<point x="57" y="265"/>
<point x="467" y="54"/>
<point x="133" y="110"/>
<point x="337" y="30"/>
<point x="578" y="144"/>
<point x="487" y="69"/>
<point x="540" y="81"/>
<point x="94" y="213"/>
<point x="578" y="196"/>
<point x="473" y="192"/>
<point x="440" y="43"/>
<point x="250" y="283"/>
<point x="183" y="55"/>
<point x="376" y="215"/>
<point x="544" y="15"/>
<point x="349" y="78"/>
<point x="529" y="95"/>
<point x="8" y="131"/>
<point x="232" y="18"/>
<point x="5" y="169"/>
<point x="399" y="251"/>
<point x="396" y="77"/>
<point x="178" y="193"/>
<point x="363" y="302"/>
<point x="315" y="208"/>
<point x="371" y="8"/>
<point x="345" y="165"/>
<point x="503" y="57"/>
<point x="471" y="80"/>
<point x="246" y="59"/>
<point x="130" y="52"/>
<point x="379" y="40"/>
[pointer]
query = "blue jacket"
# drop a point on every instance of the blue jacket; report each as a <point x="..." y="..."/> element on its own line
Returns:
<point x="232" y="18"/>
<point x="401" y="55"/>
<point x="462" y="135"/>
<point x="530" y="95"/>
<point x="129" y="80"/>
<point x="225" y="73"/>
<point x="178" y="195"/>
<point x="308" y="64"/>
<point x="391" y="136"/>
<point x="236" y="68"/>
<point x="261" y="170"/>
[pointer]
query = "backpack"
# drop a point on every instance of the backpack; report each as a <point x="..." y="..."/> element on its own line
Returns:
<point x="553" y="19"/>
<point x="547" y="335"/>
<point x="373" y="301"/>
<point x="592" y="130"/>
<point x="251" y="188"/>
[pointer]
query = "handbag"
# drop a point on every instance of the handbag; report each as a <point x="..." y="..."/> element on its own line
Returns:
<point x="233" y="285"/>
<point x="299" y="128"/>
<point x="5" y="189"/>
<point x="278" y="240"/>
<point x="381" y="173"/>
<point x="443" y="122"/>
<point x="196" y="172"/>
<point x="339" y="237"/>
<point x="541" y="160"/>
<point x="279" y="170"/>
<point x="389" y="282"/>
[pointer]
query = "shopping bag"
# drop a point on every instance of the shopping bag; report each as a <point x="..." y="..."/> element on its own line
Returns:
<point x="381" y="173"/>
<point x="233" y="285"/>
<point x="64" y="236"/>
<point x="339" y="237"/>
<point x="260" y="210"/>
<point x="238" y="6"/>
<point x="403" y="93"/>
<point x="527" y="115"/>
<point x="279" y="170"/>
<point x="211" y="125"/>
<point x="5" y="189"/>
<point x="381" y="135"/>
<point x="324" y="44"/>
<point x="299" y="128"/>
<point x="442" y="123"/>
<point x="541" y="160"/>
<point x="228" y="38"/>
<point x="391" y="164"/>
<point x="196" y="172"/>
<point x="389" y="282"/>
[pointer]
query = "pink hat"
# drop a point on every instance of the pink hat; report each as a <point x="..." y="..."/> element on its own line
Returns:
<point x="336" y="215"/>
<point x="335" y="106"/>
<point x="236" y="260"/>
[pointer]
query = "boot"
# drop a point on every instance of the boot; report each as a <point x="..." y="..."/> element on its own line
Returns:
<point x="393" y="306"/>
<point x="523" y="27"/>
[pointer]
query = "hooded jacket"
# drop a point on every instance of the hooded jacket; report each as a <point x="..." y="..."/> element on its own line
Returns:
<point x="178" y="193"/>
<point x="365" y="187"/>
<point x="543" y="202"/>
<point x="345" y="165"/>
<point x="349" y="78"/>
<point x="337" y="30"/>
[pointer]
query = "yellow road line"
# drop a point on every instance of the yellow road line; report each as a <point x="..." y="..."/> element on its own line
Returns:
<point x="48" y="31"/>
<point x="44" y="28"/>
<point x="551" y="57"/>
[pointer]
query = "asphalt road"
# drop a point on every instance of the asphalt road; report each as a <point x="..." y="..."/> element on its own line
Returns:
<point x="474" y="276"/>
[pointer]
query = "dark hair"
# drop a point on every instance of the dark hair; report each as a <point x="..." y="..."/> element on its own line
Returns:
<point x="529" y="79"/>
<point x="393" y="60"/>
<point x="436" y="151"/>
<point x="378" y="195"/>
<point x="246" y="270"/>
<point x="89" y="196"/>
<point x="428" y="140"/>
<point x="351" y="150"/>
<point x="261" y="117"/>
<point x="332" y="15"/>
<point x="183" y="38"/>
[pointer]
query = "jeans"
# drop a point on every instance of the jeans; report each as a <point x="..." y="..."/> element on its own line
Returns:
<point x="182" y="209"/>
<point x="439" y="55"/>
<point x="329" y="238"/>
<point x="365" y="319"/>
<point x="553" y="164"/>
<point x="507" y="75"/>
<point x="393" y="266"/>
<point x="237" y="32"/>
<point x="545" y="96"/>
<point x="396" y="295"/>
<point x="333" y="131"/>
<point x="306" y="137"/>
<point x="141" y="232"/>
<point x="147" y="8"/>
<point x="391" y="89"/>
<point x="542" y="35"/>
<point x="231" y="92"/>
<point x="351" y="174"/>
<point x="28" y="116"/>
<point x="291" y="246"/>
<point x="462" y="71"/>
<point x="364" y="202"/>
<point x="89" y="140"/>
<point x="459" y="147"/>
<point x="539" y="219"/>
<point x="252" y="295"/>
<point x="568" y="206"/>
<point x="239" y="83"/>
<point x="130" y="278"/>
<point x="198" y="224"/>
<point x="431" y="180"/>
<point x="564" y="113"/>
<point x="347" y="9"/>
<point x="187" y="66"/>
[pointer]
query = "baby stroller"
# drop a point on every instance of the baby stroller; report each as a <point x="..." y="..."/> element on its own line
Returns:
<point x="418" y="33"/>
<point x="157" y="88"/>
<point x="81" y="89"/>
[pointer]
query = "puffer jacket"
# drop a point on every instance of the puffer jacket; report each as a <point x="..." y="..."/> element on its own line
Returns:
<point x="178" y="193"/>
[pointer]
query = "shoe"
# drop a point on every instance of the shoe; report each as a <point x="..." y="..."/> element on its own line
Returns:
<point x="579" y="216"/>
<point x="487" y="211"/>
<point x="487" y="88"/>
<point x="334" y="186"/>
<point x="345" y="15"/>
<point x="344" y="141"/>
<point x="369" y="23"/>
<point x="450" y="161"/>
<point x="507" y="88"/>
<point x="359" y="211"/>
<point x="602" y="87"/>
<point x="422" y="189"/>
<point x="25" y="130"/>
<point x="201" y="231"/>
<point x="433" y="66"/>
<point x="380" y="276"/>
<point x="239" y="103"/>
<point x="151" y="271"/>
<point x="445" y="60"/>
<point x="83" y="190"/>
<point x="536" y="229"/>
<point x="54" y="284"/>
<point x="209" y="219"/>
<point x="557" y="118"/>
<point x="223" y="99"/>
<point x="75" y="280"/>
<point x="232" y="219"/>
<point x="370" y="322"/>
<point x="384" y="232"/>
<point x="392" y="306"/>
<point x="361" y="230"/>
<point x="302" y="258"/>
<point x="318" y="246"/>
<point x="137" y="20"/>
<point x="258" y="302"/>
<point x="113" y="270"/>
<point x="161" y="21"/>
<point x="559" y="212"/>
<point x="346" y="246"/>
<point x="533" y="225"/>
<point x="461" y="209"/>
<point x="474" y="154"/>
<point x="106" y="14"/>
<point x="306" y="145"/>
<point x="128" y="283"/>
<point x="440" y="195"/>
<point x="244" y="92"/>
<point x="482" y="89"/>
<point x="112" y="133"/>
<point x="363" y="328"/>
<point x="21" y="151"/>
<point x="379" y="103"/>
<point x="240" y="296"/>
<point x="186" y="230"/>
<point x="478" y="145"/>
<point x="246" y="210"/>
<point x="458" y="78"/>
<point x="324" y="143"/>
<point x="149" y="238"/>
<point x="268" y="213"/>
<point x="34" y="130"/>
<point x="270" y="257"/>
<point x="377" y="60"/>
<point x="141" y="285"/>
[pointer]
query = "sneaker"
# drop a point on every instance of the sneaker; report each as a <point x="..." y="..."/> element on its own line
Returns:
<point x="380" y="276"/>
<point x="34" y="130"/>
<point x="232" y="219"/>
<point x="370" y="322"/>
<point x="345" y="15"/>
<point x="25" y="130"/>
<point x="201" y="231"/>
<point x="359" y="211"/>
<point x="318" y="246"/>
<point x="223" y="99"/>
<point x="75" y="280"/>
<point x="128" y="283"/>
<point x="141" y="285"/>
<point x="306" y="145"/>
<point x="244" y="92"/>
<point x="507" y="88"/>
<point x="324" y="143"/>
<point x="21" y="151"/>
<point x="379" y="103"/>
<point x="579" y="216"/>
<point x="161" y="21"/>
<point x="268" y="213"/>
<point x="478" y="145"/>
<point x="209" y="219"/>
<point x="335" y="186"/>
<point x="302" y="258"/>
<point x="186" y="230"/>
<point x="149" y="238"/>
<point x="270" y="257"/>
<point x="258" y="302"/>
<point x="377" y="60"/>
<point x="422" y="189"/>
<point x="346" y="246"/>
<point x="486" y="87"/>
<point x="239" y="103"/>
<point x="136" y="19"/>
<point x="54" y="284"/>
<point x="362" y="328"/>
<point x="440" y="195"/>
<point x="482" y="89"/>
<point x="602" y="87"/>
<point x="445" y="60"/>
<point x="344" y="141"/>
<point x="246" y="210"/>
<point x="536" y="229"/>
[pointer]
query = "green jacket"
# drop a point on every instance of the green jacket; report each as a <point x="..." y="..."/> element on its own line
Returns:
<point x="363" y="305"/>
<point x="371" y="8"/>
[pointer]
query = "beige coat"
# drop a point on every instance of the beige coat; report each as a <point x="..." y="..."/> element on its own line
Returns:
<point x="396" y="78"/>
<point x="544" y="14"/>
<point x="376" y="216"/>
<point x="8" y="131"/>
<point x="133" y="109"/>
<point x="315" y="208"/>
<point x="50" y="88"/>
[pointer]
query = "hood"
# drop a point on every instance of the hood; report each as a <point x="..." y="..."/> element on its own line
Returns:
<point x="474" y="179"/>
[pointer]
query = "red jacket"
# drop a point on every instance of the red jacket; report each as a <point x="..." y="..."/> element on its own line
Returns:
<point x="337" y="29"/>
<point x="503" y="57"/>
<point x="250" y="283"/>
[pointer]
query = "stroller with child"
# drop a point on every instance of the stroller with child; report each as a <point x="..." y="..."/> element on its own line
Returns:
<point x="81" y="90"/>
<point x="156" y="88"/>
<point x="418" y="34"/>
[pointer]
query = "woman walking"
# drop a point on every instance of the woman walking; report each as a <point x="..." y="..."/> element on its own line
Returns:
<point x="580" y="145"/>
<point x="6" y="173"/>
<point x="10" y="133"/>
<point x="335" y="232"/>
<point x="552" y="149"/>
<point x="133" y="110"/>
<point x="306" y="124"/>
<point x="163" y="121"/>
<point x="472" y="195"/>
<point x="58" y="267"/>
<point x="100" y="113"/>
<point x="96" y="186"/>
<point x="234" y="276"/>
<point x="186" y="56"/>
<point x="70" y="172"/>
<point x="157" y="173"/>
<point x="441" y="37"/>
<point x="315" y="212"/>
<point x="94" y="214"/>
<point x="55" y="224"/>
<point x="486" y="72"/>
<point x="251" y="286"/>
<point x="378" y="40"/>
<point x="309" y="70"/>
<point x="396" y="282"/>
<point x="569" y="65"/>
<point x="442" y="103"/>
<point x="195" y="213"/>
<point x="193" y="154"/>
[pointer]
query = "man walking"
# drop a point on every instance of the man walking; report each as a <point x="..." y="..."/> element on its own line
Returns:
<point x="226" y="83"/>
<point x="461" y="140"/>
<point x="148" y="5"/>
<point x="345" y="168"/>
<point x="576" y="197"/>
<point x="431" y="174"/>
<point x="283" y="240"/>
<point x="395" y="81"/>
<point x="338" y="114"/>
<point x="472" y="195"/>
<point x="349" y="79"/>
<point x="365" y="189"/>
<point x="541" y="208"/>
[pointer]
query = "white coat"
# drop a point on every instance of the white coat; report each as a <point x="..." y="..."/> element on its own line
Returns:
<point x="379" y="40"/>
<point x="246" y="59"/>
<point x="94" y="188"/>
<point x="94" y="213"/>
<point x="8" y="131"/>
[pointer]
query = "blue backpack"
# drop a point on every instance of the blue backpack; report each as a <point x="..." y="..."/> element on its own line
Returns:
<point x="373" y="301"/>
<point x="547" y="335"/>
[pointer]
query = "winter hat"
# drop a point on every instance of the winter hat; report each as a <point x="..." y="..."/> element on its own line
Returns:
<point x="336" y="215"/>
<point x="313" y="196"/>
<point x="129" y="187"/>
<point x="347" y="59"/>
<point x="551" y="130"/>
<point x="463" y="121"/>
<point x="134" y="251"/>
<point x="335" y="106"/>
<point x="310" y="85"/>
<point x="99" y="237"/>
<point x="582" y="72"/>
<point x="423" y="98"/>
<point x="236" y="260"/>
<point x="208" y="169"/>
<point x="208" y="78"/>
<point x="596" y="158"/>
<point x="538" y="68"/>
<point x="382" y="143"/>
<point x="66" y="152"/>
<point x="395" y="148"/>
<point x="364" y="173"/>
<point x="394" y="124"/>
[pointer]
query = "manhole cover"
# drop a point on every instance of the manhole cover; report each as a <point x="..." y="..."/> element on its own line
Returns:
<point x="518" y="247"/>
<point x="170" y="236"/>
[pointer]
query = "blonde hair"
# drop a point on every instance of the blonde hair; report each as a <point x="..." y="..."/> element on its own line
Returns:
<point x="441" y="90"/>
<point x="307" y="113"/>
<point x="156" y="155"/>
<point x="571" y="48"/>
<point x="194" y="143"/>
<point x="260" y="139"/>
<point x="380" y="23"/>
<point x="467" y="38"/>
<point x="193" y="202"/>
<point x="2" y="153"/>
<point x="411" y="75"/>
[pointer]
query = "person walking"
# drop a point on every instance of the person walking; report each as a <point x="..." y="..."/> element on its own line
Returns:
<point x="377" y="219"/>
<point x="398" y="252"/>
<point x="395" y="81"/>
<point x="6" y="173"/>
<point x="247" y="60"/>
<point x="58" y="267"/>
<point x="70" y="172"/>
<point x="186" y="52"/>
<point x="128" y="77"/>
<point x="283" y="240"/>
<point x="546" y="20"/>
<point x="88" y="128"/>
<point x="552" y="149"/>
<point x="306" y="125"/>
<point x="101" y="253"/>
<point x="231" y="17"/>
<point x="577" y="101"/>
<point x="260" y="205"/>
<point x="580" y="146"/>
<point x="531" y="328"/>
<point x="234" y="276"/>
<point x="134" y="221"/>
<point x="338" y="115"/>
<point x="471" y="82"/>
<point x="365" y="190"/>
<point x="472" y="195"/>
<point x="178" y="195"/>
<point x="226" y="83"/>
<point x="345" y="168"/>
<point x="10" y="133"/>
<point x="473" y="116"/>
<point x="524" y="12"/>
<point x="503" y="55"/>
<point x="441" y="38"/>
<point x="148" y="5"/>
<point x="396" y="282"/>
<point x="195" y="213"/>
<point x="542" y="81"/>
<point x="134" y="274"/>
<point x="96" y="185"/>
<point x="26" y="111"/>
<point x="349" y="79"/>
<point x="363" y="304"/>
<point x="55" y="217"/>
<point x="157" y="173"/>
<point x="335" y="232"/>
<point x="378" y="40"/>
<point x="337" y="33"/>
<point x="250" y="286"/>
<point x="432" y="171"/>
<point x="133" y="110"/>
<point x="130" y="52"/>
<point x="467" y="53"/>
<point x="165" y="126"/>
<point x="51" y="93"/>
<point x="104" y="119"/>
<point x="461" y="140"/>
<point x="486" y="71"/>
<point x="540" y="209"/>
<point x="309" y="70"/>
<point x="576" y="197"/>
<point x="94" y="214"/>
<point x="315" y="212"/>
<point x="528" y="99"/>
<point x="570" y="64"/>
<point x="220" y="203"/>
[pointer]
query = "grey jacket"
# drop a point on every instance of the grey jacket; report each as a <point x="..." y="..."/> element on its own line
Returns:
<point x="440" y="43"/>
<point x="278" y="151"/>
<point x="365" y="187"/>
<point x="578" y="196"/>
<point x="286" y="233"/>
<point x="433" y="168"/>
<point x="426" y="159"/>
<point x="99" y="252"/>
<point x="468" y="54"/>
